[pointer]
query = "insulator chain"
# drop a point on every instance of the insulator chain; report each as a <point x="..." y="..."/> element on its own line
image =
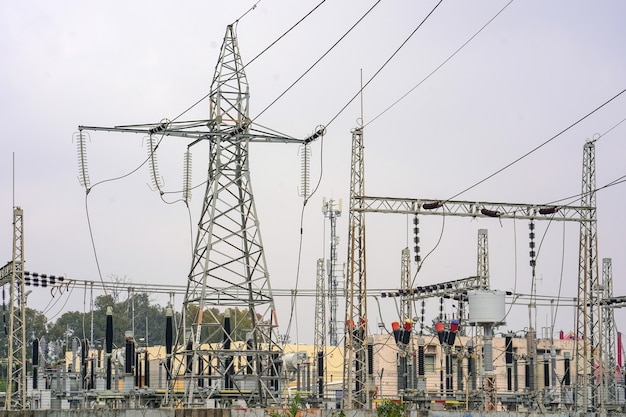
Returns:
<point x="81" y="145"/>
<point x="305" y="171"/>
<point x="531" y="244"/>
<point x="187" y="177"/>
<point x="154" y="169"/>
<point x="416" y="240"/>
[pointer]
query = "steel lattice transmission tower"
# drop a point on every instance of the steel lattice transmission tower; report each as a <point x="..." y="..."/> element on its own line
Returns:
<point x="355" y="340"/>
<point x="406" y="309"/>
<point x="221" y="355"/>
<point x="319" y="339"/>
<point x="589" y="392"/>
<point x="12" y="275"/>
<point x="482" y="267"/>
<point x="609" y="334"/>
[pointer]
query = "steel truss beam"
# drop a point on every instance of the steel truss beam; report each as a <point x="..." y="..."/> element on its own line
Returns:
<point x="432" y="206"/>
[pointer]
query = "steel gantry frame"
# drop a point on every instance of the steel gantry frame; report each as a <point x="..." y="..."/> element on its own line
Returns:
<point x="319" y="339"/>
<point x="406" y="305"/>
<point x="355" y="380"/>
<point x="228" y="269"/>
<point x="589" y="356"/>
<point x="355" y="376"/>
<point x="12" y="276"/>
<point x="609" y="335"/>
<point x="473" y="209"/>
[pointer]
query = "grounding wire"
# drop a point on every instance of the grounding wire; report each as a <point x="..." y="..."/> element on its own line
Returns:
<point x="558" y="296"/>
<point x="440" y="65"/>
<point x="382" y="67"/>
<point x="536" y="148"/>
<point x="248" y="11"/>
<point x="318" y="61"/>
<point x="253" y="59"/>
<point x="298" y="267"/>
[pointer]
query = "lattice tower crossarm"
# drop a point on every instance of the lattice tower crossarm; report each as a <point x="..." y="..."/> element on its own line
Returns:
<point x="355" y="339"/>
<point x="456" y="289"/>
<point x="473" y="209"/>
<point x="589" y="344"/>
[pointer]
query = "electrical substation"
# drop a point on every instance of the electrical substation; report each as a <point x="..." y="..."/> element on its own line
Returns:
<point x="428" y="364"/>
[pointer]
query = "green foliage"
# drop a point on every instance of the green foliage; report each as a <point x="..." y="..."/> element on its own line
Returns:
<point x="388" y="408"/>
<point x="338" y="413"/>
<point x="295" y="405"/>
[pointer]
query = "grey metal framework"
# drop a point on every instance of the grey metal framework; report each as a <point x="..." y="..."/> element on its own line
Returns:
<point x="332" y="210"/>
<point x="589" y="352"/>
<point x="584" y="214"/>
<point x="355" y="381"/>
<point x="228" y="270"/>
<point x="12" y="276"/>
<point x="406" y="309"/>
<point x="457" y="287"/>
<point x="609" y="334"/>
<point x="482" y="264"/>
<point x="319" y="339"/>
<point x="437" y="207"/>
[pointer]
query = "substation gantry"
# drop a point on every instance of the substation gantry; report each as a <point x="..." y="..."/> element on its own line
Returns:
<point x="228" y="269"/>
<point x="589" y="357"/>
<point x="12" y="277"/>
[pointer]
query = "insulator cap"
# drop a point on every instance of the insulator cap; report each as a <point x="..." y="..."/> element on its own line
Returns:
<point x="432" y="206"/>
<point x="490" y="213"/>
<point x="548" y="210"/>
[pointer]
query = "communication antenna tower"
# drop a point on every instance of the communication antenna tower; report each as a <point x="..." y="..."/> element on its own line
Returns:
<point x="219" y="358"/>
<point x="332" y="210"/>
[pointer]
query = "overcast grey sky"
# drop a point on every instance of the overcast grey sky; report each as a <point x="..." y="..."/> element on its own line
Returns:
<point x="534" y="71"/>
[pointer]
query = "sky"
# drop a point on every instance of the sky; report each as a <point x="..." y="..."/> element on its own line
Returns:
<point x="453" y="106"/>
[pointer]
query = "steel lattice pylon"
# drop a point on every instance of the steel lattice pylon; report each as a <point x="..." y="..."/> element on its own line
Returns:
<point x="229" y="268"/>
<point x="589" y="391"/>
<point x="406" y="310"/>
<point x="609" y="335"/>
<point x="319" y="339"/>
<point x="12" y="275"/>
<point x="355" y="346"/>
<point x="228" y="347"/>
